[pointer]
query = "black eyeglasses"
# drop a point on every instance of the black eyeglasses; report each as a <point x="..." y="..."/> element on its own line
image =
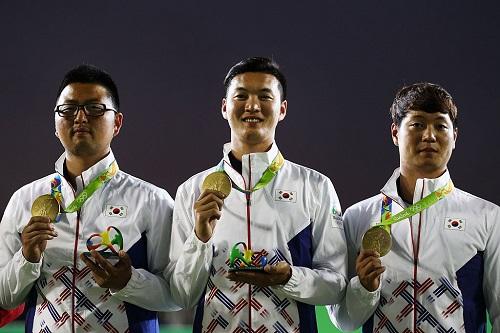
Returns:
<point x="90" y="109"/>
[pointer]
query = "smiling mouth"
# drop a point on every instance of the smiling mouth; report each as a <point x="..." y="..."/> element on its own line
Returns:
<point x="252" y="120"/>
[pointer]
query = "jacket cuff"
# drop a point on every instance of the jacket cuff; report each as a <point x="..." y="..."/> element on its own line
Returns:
<point x="291" y="284"/>
<point x="359" y="292"/>
<point x="135" y="282"/>
<point x="27" y="267"/>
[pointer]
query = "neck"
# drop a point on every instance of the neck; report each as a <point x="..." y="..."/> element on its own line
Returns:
<point x="408" y="181"/>
<point x="76" y="165"/>
<point x="239" y="149"/>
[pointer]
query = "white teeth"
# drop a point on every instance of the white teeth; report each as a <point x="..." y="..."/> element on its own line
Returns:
<point x="251" y="120"/>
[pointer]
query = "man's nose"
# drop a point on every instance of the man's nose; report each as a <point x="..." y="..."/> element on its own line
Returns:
<point x="429" y="134"/>
<point x="253" y="104"/>
<point x="81" y="116"/>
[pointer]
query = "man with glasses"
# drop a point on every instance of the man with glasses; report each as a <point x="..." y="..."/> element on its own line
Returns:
<point x="424" y="256"/>
<point x="88" y="203"/>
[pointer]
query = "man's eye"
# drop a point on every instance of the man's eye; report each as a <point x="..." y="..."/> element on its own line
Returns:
<point x="442" y="126"/>
<point x="67" y="108"/>
<point x="240" y="96"/>
<point x="94" y="107"/>
<point x="417" y="125"/>
<point x="266" y="97"/>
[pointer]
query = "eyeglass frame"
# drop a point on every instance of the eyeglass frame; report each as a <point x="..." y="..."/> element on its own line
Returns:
<point x="83" y="106"/>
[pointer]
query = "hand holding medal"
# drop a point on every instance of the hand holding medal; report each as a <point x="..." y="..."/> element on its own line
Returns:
<point x="215" y="188"/>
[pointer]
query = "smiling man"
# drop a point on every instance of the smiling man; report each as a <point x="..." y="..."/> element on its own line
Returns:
<point x="432" y="263"/>
<point x="41" y="256"/>
<point x="279" y="210"/>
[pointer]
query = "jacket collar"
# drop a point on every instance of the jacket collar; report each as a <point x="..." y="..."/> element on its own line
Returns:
<point x="256" y="162"/>
<point x="423" y="187"/>
<point x="90" y="173"/>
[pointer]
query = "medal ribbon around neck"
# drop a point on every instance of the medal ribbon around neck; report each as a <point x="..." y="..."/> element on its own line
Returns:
<point x="266" y="177"/>
<point x="387" y="220"/>
<point x="86" y="193"/>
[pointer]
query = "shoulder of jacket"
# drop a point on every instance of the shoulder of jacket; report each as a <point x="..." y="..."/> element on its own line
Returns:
<point x="141" y="185"/>
<point x="308" y="173"/>
<point x="473" y="201"/>
<point x="364" y="206"/>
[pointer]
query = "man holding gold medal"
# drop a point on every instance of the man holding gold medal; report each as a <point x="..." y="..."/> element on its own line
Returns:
<point x="423" y="255"/>
<point x="284" y="217"/>
<point x="50" y="223"/>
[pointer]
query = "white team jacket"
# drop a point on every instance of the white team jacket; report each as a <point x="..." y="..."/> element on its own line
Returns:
<point x="452" y="280"/>
<point x="64" y="297"/>
<point x="295" y="218"/>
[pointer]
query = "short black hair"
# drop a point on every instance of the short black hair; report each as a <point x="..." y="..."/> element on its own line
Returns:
<point x="259" y="65"/>
<point x="423" y="96"/>
<point x="91" y="74"/>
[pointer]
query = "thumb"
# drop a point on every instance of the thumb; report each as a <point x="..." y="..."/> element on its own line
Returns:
<point x="124" y="258"/>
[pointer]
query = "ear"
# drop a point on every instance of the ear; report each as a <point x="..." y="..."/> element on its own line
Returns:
<point x="223" y="108"/>
<point x="118" y="123"/>
<point x="394" y="134"/>
<point x="283" y="108"/>
<point x="56" y="134"/>
<point x="455" y="135"/>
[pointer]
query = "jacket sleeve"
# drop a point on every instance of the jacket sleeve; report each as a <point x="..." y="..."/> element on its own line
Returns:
<point x="491" y="282"/>
<point x="190" y="258"/>
<point x="17" y="275"/>
<point x="149" y="289"/>
<point x="359" y="304"/>
<point x="325" y="281"/>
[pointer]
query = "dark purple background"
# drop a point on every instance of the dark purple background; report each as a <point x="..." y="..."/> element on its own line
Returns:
<point x="344" y="61"/>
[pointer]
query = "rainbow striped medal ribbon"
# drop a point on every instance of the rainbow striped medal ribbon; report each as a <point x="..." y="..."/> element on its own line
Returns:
<point x="50" y="204"/>
<point x="378" y="237"/>
<point x="219" y="181"/>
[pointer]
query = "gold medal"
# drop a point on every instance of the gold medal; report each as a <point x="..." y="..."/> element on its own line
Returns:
<point x="378" y="239"/>
<point x="45" y="205"/>
<point x="217" y="181"/>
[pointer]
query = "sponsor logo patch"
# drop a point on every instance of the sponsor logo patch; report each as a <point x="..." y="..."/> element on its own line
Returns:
<point x="116" y="211"/>
<point x="336" y="218"/>
<point x="457" y="224"/>
<point x="285" y="195"/>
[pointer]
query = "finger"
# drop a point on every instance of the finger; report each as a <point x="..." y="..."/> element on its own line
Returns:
<point x="375" y="274"/>
<point x="29" y="235"/>
<point x="369" y="261"/>
<point x="38" y="239"/>
<point x="93" y="266"/>
<point x="245" y="277"/>
<point x="208" y="192"/>
<point x="210" y="197"/>
<point x="38" y="226"/>
<point x="208" y="204"/>
<point x="43" y="219"/>
<point x="103" y="263"/>
<point x="368" y="267"/>
<point x="367" y="253"/>
<point x="124" y="259"/>
<point x="209" y="215"/>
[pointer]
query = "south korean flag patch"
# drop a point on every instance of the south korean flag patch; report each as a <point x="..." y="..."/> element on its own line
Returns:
<point x="285" y="195"/>
<point x="116" y="211"/>
<point x="457" y="224"/>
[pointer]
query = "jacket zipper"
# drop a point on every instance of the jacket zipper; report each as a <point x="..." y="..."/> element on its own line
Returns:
<point x="416" y="250"/>
<point x="249" y="238"/>
<point x="75" y="258"/>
